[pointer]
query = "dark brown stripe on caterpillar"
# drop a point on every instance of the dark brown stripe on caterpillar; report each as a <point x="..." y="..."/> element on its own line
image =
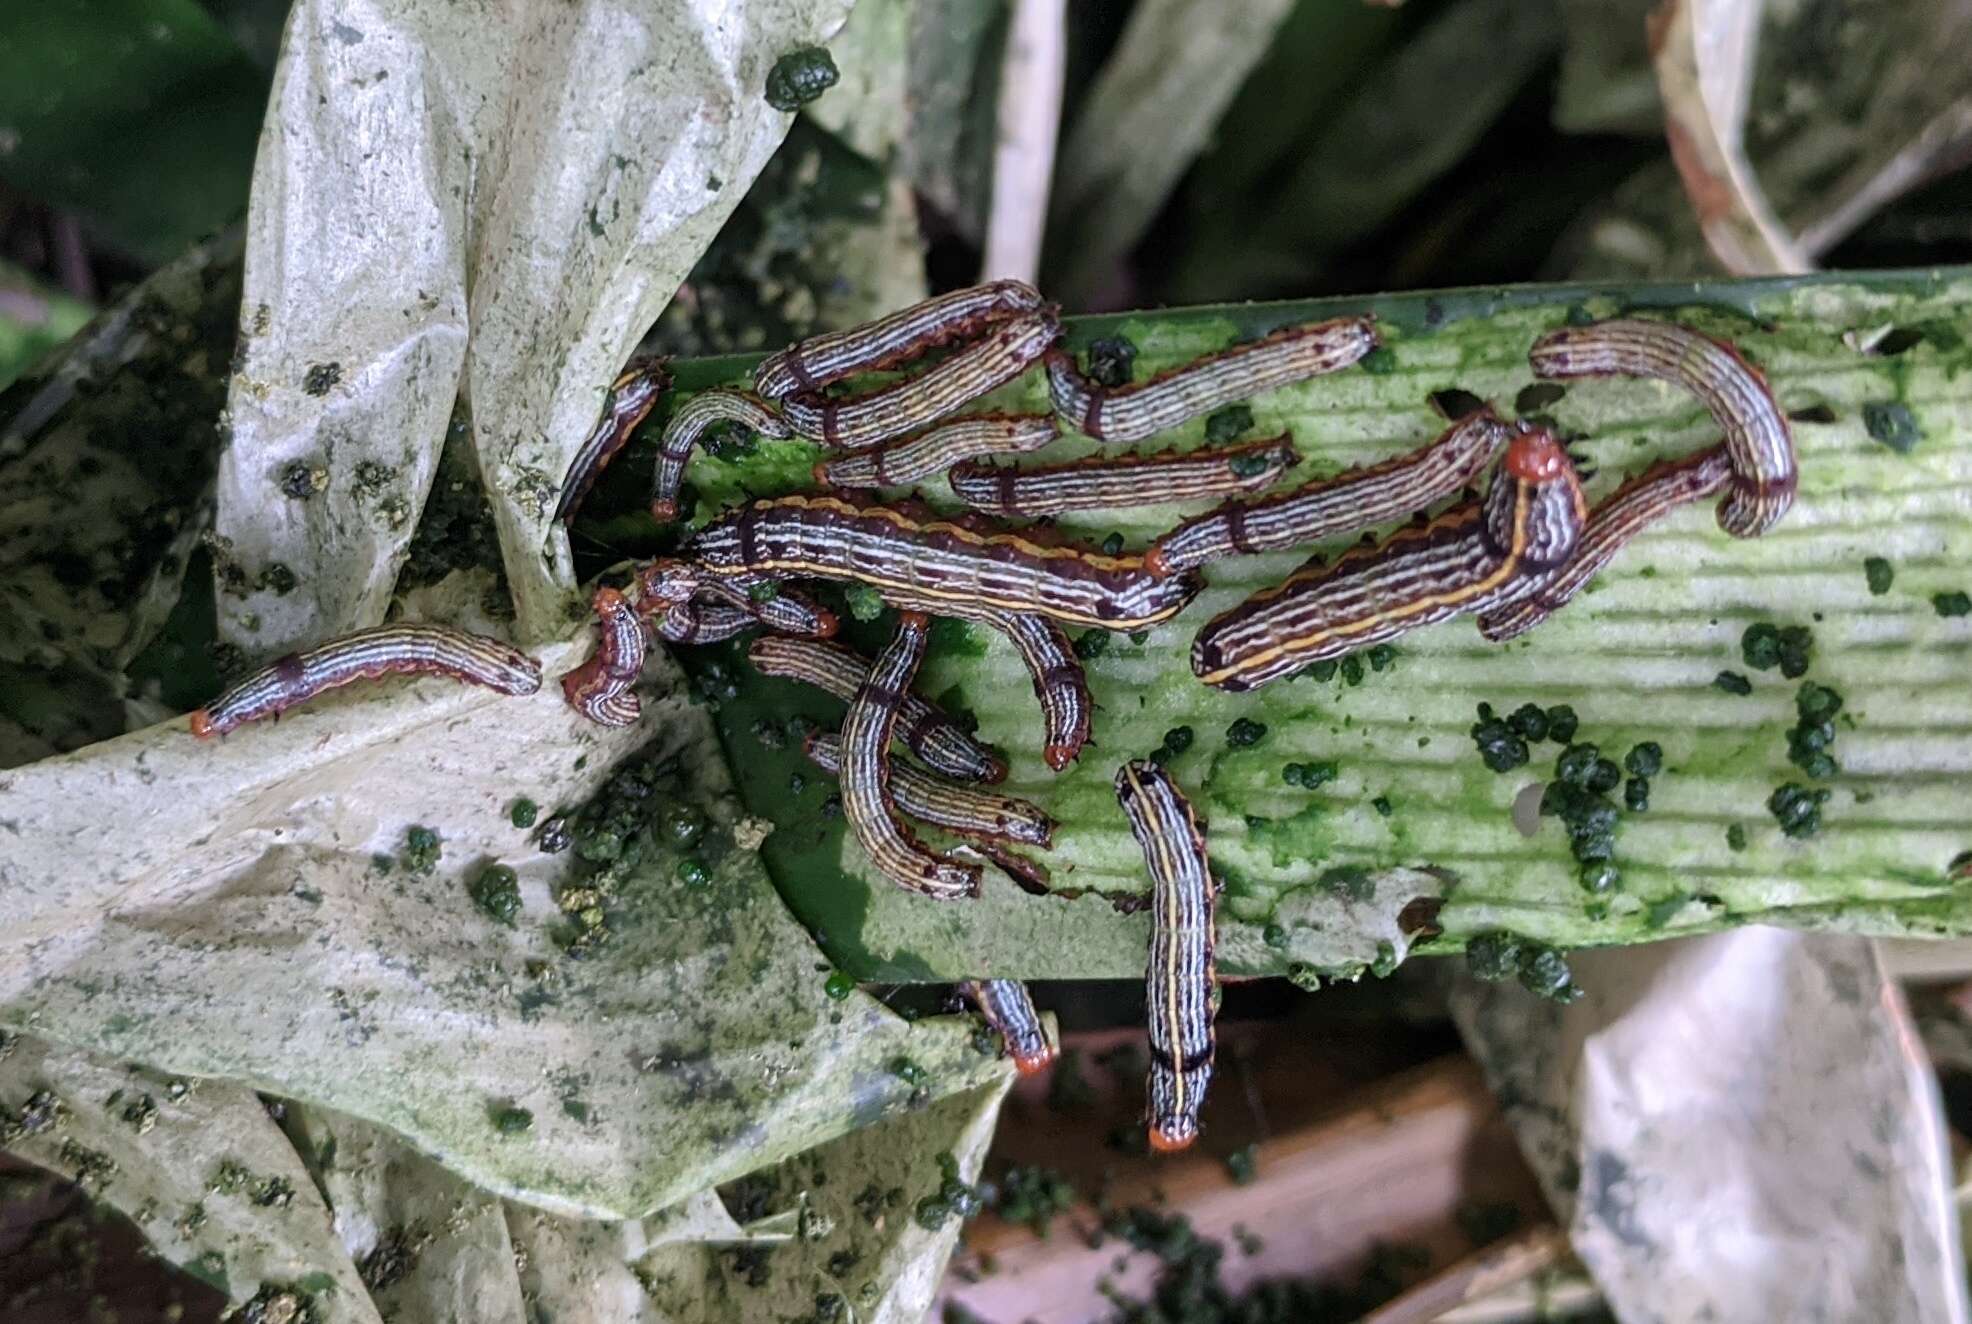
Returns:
<point x="1007" y="1008"/>
<point x="864" y="775"/>
<point x="809" y="365"/>
<point x="1116" y="482"/>
<point x="922" y="728"/>
<point x="943" y="802"/>
<point x="386" y="650"/>
<point x="1736" y="393"/>
<point x="938" y="449"/>
<point x="1131" y="413"/>
<point x="926" y="563"/>
<point x="599" y="688"/>
<point x="1352" y="499"/>
<point x="629" y="402"/>
<point x="1180" y="982"/>
<point x="916" y="402"/>
<point x="1476" y="557"/>
<point x="1618" y="518"/>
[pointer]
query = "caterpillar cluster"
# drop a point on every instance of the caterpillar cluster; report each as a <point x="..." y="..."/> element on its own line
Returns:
<point x="1510" y="555"/>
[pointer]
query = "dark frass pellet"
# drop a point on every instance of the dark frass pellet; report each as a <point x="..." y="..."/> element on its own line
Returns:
<point x="300" y="480"/>
<point x="421" y="850"/>
<point x="1605" y="776"/>
<point x="1636" y="794"/>
<point x="1732" y="683"/>
<point x="1736" y="837"/>
<point x="1879" y="574"/>
<point x="1308" y="776"/>
<point x="1759" y="646"/>
<point x="1955" y="603"/>
<point x="1544" y="973"/>
<point x="1381" y="656"/>
<point x="1561" y="724"/>
<point x="1250" y="465"/>
<point x="1797" y="809"/>
<point x="1493" y="956"/>
<point x="1600" y="876"/>
<point x="278" y="579"/>
<point x="1807" y="750"/>
<point x="799" y="77"/>
<point x="682" y="825"/>
<point x="555" y="836"/>
<point x="1816" y="703"/>
<point x="1645" y="759"/>
<point x="1577" y="763"/>
<point x="1113" y="545"/>
<point x="1500" y="747"/>
<point x="839" y="985"/>
<point x="1178" y="739"/>
<point x="1528" y="722"/>
<point x="1891" y="423"/>
<point x="1809" y="739"/>
<point x="1274" y="936"/>
<point x="693" y="874"/>
<point x="1352" y="669"/>
<point x="1324" y="669"/>
<point x="1381" y="804"/>
<point x="496" y="891"/>
<point x="1111" y="360"/>
<point x="1091" y="644"/>
<point x="1245" y="733"/>
<point x="1764" y="646"/>
<point x="954" y="1197"/>
<point x="1595" y="837"/>
<point x="511" y="1121"/>
<point x="523" y="813"/>
<point x="1228" y="423"/>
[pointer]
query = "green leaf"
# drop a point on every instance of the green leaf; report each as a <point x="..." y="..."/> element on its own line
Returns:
<point x="1177" y="65"/>
<point x="1606" y="83"/>
<point x="142" y="114"/>
<point x="1636" y="658"/>
<point x="1320" y="53"/>
<point x="33" y="320"/>
<point x="955" y="50"/>
<point x="1397" y="133"/>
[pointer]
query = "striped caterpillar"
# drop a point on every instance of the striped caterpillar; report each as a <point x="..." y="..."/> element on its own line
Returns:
<point x="1476" y="557"/>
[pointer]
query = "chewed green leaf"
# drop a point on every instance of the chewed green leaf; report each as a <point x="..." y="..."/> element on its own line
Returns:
<point x="1636" y="658"/>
